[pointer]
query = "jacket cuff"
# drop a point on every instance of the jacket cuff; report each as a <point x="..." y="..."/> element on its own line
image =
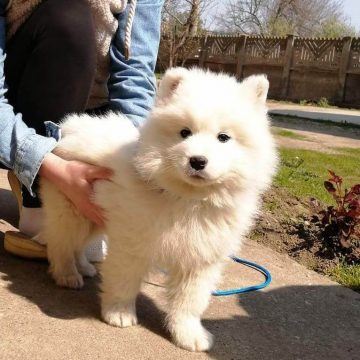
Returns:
<point x="29" y="157"/>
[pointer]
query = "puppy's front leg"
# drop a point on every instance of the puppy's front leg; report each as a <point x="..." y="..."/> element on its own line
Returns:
<point x="189" y="296"/>
<point x="122" y="274"/>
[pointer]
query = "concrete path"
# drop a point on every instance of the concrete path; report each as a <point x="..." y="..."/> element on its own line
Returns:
<point x="302" y="315"/>
<point x="315" y="113"/>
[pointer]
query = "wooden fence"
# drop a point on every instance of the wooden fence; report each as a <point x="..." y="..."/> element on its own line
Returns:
<point x="297" y="68"/>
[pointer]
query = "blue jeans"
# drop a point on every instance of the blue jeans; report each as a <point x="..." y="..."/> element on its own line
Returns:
<point x="131" y="84"/>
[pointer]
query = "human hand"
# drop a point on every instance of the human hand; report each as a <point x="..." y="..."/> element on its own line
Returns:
<point x="75" y="179"/>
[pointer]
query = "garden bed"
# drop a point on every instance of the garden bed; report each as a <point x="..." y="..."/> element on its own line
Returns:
<point x="285" y="226"/>
<point x="285" y="222"/>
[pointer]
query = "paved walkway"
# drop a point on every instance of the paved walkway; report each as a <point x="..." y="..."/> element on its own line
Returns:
<point x="302" y="315"/>
<point x="315" y="113"/>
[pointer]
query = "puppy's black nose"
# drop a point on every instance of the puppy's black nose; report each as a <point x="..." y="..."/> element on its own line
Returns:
<point x="198" y="162"/>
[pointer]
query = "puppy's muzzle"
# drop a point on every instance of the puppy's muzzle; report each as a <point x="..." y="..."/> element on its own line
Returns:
<point x="198" y="162"/>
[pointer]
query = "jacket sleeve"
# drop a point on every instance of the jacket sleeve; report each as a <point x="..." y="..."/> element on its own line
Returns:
<point x="132" y="82"/>
<point x="21" y="149"/>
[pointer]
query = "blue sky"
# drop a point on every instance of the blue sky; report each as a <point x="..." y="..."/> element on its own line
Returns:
<point x="352" y="10"/>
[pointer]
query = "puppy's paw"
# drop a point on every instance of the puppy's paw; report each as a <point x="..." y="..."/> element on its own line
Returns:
<point x="73" y="281"/>
<point x="190" y="335"/>
<point x="120" y="315"/>
<point x="88" y="270"/>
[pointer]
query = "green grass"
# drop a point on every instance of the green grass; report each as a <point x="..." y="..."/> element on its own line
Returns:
<point x="348" y="275"/>
<point x="323" y="102"/>
<point x="288" y="134"/>
<point x="349" y="151"/>
<point x="303" y="172"/>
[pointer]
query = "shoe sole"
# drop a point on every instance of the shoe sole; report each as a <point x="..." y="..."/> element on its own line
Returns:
<point x="15" y="188"/>
<point x="21" y="245"/>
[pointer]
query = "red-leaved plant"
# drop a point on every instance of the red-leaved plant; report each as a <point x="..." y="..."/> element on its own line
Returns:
<point x="339" y="223"/>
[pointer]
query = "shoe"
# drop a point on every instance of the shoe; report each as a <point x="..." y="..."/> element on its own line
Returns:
<point x="15" y="242"/>
<point x="15" y="187"/>
<point x="19" y="244"/>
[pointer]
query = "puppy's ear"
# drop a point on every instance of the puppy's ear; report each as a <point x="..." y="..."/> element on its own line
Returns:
<point x="170" y="82"/>
<point x="257" y="87"/>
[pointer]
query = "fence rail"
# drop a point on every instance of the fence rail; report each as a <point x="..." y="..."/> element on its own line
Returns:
<point x="298" y="68"/>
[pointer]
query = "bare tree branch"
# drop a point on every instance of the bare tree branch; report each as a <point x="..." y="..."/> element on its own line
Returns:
<point x="279" y="17"/>
<point x="182" y="20"/>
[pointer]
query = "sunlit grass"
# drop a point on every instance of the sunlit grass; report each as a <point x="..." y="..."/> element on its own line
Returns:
<point x="288" y="134"/>
<point x="347" y="275"/>
<point x="303" y="172"/>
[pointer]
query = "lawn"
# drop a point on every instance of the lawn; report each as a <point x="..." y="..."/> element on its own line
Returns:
<point x="303" y="172"/>
<point x="348" y="275"/>
<point x="288" y="133"/>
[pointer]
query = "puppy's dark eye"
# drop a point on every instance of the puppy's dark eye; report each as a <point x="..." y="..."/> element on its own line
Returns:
<point x="222" y="137"/>
<point x="184" y="133"/>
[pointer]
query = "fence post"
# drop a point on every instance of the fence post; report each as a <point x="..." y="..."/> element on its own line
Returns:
<point x="240" y="58"/>
<point x="285" y="78"/>
<point x="344" y="62"/>
<point x="203" y="52"/>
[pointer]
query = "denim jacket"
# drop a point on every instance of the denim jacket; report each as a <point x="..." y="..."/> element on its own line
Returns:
<point x="131" y="91"/>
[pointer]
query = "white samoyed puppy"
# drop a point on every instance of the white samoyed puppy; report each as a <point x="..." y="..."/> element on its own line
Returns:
<point x="184" y="191"/>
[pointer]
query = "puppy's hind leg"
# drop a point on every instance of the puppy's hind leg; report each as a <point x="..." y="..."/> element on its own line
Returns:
<point x="65" y="232"/>
<point x="63" y="267"/>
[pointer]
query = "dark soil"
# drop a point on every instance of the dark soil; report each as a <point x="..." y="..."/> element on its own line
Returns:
<point x="285" y="226"/>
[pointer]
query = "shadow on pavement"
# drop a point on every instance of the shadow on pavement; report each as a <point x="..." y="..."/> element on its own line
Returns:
<point x="296" y="322"/>
<point x="30" y="280"/>
<point x="293" y="123"/>
<point x="8" y="207"/>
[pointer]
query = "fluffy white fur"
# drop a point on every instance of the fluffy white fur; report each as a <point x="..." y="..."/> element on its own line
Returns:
<point x="159" y="209"/>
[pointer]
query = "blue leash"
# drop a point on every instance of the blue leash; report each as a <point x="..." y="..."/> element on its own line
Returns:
<point x="252" y="265"/>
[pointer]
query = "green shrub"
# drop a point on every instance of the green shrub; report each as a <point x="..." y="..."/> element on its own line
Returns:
<point x="323" y="102"/>
<point x="339" y="224"/>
